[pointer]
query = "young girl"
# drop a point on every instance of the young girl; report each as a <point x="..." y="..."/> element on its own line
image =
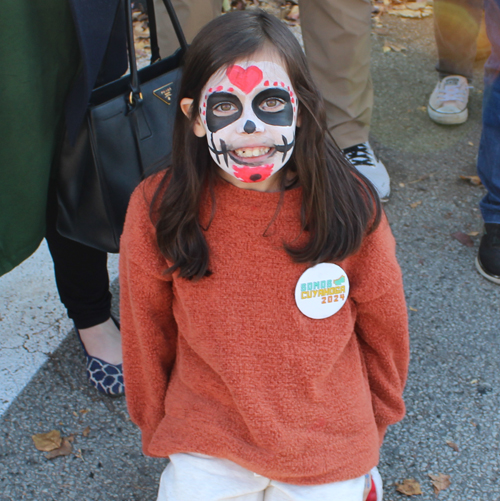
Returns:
<point x="264" y="323"/>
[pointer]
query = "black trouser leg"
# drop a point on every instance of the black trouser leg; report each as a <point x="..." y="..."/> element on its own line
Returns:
<point x="81" y="274"/>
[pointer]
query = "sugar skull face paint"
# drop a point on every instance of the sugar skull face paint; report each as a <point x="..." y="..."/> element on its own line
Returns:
<point x="249" y="113"/>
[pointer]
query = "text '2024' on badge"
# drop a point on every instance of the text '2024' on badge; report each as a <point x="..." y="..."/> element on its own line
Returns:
<point x="322" y="290"/>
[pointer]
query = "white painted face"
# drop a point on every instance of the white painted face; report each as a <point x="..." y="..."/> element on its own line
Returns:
<point x="249" y="112"/>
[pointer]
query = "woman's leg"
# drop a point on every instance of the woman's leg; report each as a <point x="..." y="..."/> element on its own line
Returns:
<point x="83" y="284"/>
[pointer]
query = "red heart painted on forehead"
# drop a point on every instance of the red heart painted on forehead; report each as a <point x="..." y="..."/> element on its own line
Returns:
<point x="246" y="80"/>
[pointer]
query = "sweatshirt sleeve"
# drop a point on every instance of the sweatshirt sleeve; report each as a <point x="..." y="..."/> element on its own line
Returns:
<point x="382" y="323"/>
<point x="149" y="331"/>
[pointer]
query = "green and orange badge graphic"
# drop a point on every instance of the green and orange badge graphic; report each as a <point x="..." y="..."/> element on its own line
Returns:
<point x="322" y="290"/>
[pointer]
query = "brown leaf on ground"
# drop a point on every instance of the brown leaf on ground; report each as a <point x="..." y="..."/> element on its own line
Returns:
<point x="47" y="442"/>
<point x="421" y="178"/>
<point x="453" y="445"/>
<point x="86" y="431"/>
<point x="463" y="238"/>
<point x="440" y="482"/>
<point x="294" y="14"/>
<point x="392" y="46"/>
<point x="406" y="13"/>
<point x="417" y="5"/>
<point x="409" y="487"/>
<point x="474" y="180"/>
<point x="416" y="10"/>
<point x="414" y="205"/>
<point x="65" y="450"/>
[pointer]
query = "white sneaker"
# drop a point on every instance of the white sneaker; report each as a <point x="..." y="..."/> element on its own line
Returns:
<point x="448" y="101"/>
<point x="364" y="159"/>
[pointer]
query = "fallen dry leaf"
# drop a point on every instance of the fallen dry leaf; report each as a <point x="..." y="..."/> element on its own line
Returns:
<point x="294" y="14"/>
<point x="440" y="482"/>
<point x="463" y="238"/>
<point x="453" y="445"/>
<point x="416" y="204"/>
<point x="65" y="450"/>
<point x="416" y="5"/>
<point x="406" y="13"/>
<point x="409" y="487"/>
<point x="474" y="180"/>
<point x="416" y="10"/>
<point x="470" y="143"/>
<point x="47" y="442"/>
<point x="86" y="431"/>
<point x="392" y="46"/>
<point x="402" y="185"/>
<point x="473" y="233"/>
<point x="413" y="309"/>
<point x="421" y="178"/>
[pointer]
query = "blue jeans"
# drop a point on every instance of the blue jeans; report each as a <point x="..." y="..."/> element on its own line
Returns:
<point x="488" y="165"/>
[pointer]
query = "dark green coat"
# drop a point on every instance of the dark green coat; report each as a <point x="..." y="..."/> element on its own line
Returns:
<point x="38" y="61"/>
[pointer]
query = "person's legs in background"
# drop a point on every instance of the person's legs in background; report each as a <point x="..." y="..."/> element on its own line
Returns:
<point x="83" y="284"/>
<point x="456" y="27"/>
<point x="337" y="43"/>
<point x="488" y="165"/>
<point x="192" y="14"/>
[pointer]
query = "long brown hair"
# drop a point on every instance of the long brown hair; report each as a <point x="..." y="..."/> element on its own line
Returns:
<point x="339" y="205"/>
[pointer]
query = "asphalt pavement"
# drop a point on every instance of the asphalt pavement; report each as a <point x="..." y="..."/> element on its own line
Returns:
<point x="453" y="393"/>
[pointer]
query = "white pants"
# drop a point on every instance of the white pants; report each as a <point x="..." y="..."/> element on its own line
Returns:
<point x="196" y="477"/>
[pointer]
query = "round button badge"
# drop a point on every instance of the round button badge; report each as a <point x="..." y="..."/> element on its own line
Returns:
<point x="322" y="290"/>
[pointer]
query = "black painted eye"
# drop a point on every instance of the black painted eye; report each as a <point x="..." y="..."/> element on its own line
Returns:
<point x="224" y="109"/>
<point x="272" y="105"/>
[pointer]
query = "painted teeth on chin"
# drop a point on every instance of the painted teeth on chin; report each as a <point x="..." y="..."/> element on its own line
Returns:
<point x="251" y="152"/>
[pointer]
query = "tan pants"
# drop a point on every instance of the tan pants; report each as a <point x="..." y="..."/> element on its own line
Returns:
<point x="337" y="42"/>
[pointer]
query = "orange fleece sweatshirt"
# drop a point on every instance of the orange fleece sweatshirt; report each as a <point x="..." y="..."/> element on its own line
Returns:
<point x="229" y="367"/>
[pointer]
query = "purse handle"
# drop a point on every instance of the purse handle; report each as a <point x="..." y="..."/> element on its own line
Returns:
<point x="135" y="95"/>
<point x="155" y="50"/>
<point x="153" y="35"/>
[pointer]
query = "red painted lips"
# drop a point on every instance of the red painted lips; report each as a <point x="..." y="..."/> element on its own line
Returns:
<point x="253" y="174"/>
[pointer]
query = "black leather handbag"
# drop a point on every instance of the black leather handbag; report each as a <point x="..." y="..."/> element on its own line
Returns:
<point x="126" y="135"/>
